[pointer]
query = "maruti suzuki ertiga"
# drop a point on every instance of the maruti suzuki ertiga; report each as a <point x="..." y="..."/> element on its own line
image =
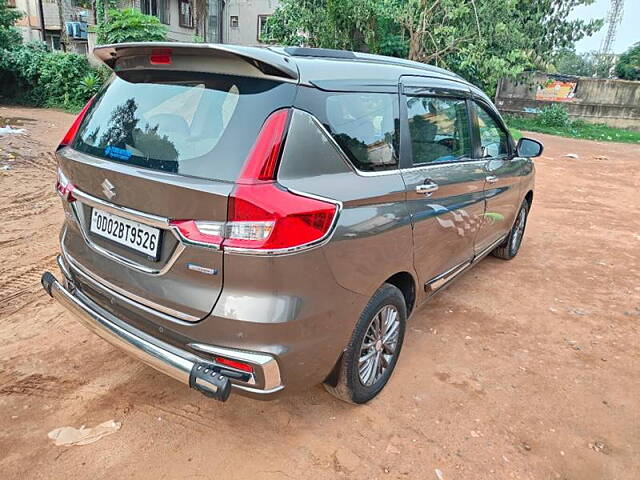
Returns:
<point x="266" y="219"/>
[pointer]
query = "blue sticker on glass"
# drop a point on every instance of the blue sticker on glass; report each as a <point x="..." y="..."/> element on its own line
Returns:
<point x="117" y="153"/>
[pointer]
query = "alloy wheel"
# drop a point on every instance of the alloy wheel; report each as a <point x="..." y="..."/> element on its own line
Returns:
<point x="379" y="345"/>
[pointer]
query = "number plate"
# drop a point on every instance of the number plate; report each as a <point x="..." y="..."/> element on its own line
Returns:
<point x="134" y="235"/>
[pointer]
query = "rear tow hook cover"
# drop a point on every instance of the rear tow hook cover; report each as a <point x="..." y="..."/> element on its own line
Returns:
<point x="207" y="381"/>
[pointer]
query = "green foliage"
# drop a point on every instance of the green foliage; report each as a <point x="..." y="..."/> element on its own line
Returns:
<point x="568" y="62"/>
<point x="102" y="7"/>
<point x="130" y="25"/>
<point x="575" y="129"/>
<point x="628" y="66"/>
<point x="593" y="64"/>
<point x="553" y="115"/>
<point x="483" y="40"/>
<point x="9" y="35"/>
<point x="31" y="74"/>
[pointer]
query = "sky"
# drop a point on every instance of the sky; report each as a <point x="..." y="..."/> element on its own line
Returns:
<point x="627" y="34"/>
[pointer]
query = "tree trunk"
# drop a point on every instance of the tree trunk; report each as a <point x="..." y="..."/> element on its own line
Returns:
<point x="64" y="39"/>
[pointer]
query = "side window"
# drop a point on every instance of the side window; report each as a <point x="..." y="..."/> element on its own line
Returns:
<point x="439" y="129"/>
<point x="493" y="139"/>
<point x="365" y="125"/>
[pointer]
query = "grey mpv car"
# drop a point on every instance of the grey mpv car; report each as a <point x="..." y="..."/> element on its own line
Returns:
<point x="261" y="219"/>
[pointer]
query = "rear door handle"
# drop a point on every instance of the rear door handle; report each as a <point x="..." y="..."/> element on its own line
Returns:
<point x="491" y="179"/>
<point x="427" y="188"/>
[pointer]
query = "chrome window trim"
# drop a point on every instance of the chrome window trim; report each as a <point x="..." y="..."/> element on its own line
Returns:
<point x="395" y="171"/>
<point x="125" y="296"/>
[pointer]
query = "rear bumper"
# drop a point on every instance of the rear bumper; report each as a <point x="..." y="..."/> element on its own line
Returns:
<point x="174" y="362"/>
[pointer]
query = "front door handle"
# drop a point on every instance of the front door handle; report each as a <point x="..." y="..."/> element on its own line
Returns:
<point x="427" y="188"/>
<point x="491" y="179"/>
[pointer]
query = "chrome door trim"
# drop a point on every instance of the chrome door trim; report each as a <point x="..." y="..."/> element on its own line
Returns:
<point x="125" y="296"/>
<point x="427" y="188"/>
<point x="489" y="249"/>
<point x="440" y="280"/>
<point x="491" y="179"/>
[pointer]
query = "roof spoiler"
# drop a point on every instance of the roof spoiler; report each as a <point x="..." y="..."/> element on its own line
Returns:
<point x="234" y="59"/>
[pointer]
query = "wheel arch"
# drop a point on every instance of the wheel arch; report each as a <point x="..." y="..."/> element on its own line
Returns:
<point x="529" y="198"/>
<point x="405" y="282"/>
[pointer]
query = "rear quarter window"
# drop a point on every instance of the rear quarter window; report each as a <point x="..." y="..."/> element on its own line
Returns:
<point x="192" y="124"/>
<point x="365" y="125"/>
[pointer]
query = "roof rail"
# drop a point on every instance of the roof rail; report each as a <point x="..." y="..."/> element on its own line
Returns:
<point x="319" y="52"/>
<point x="403" y="62"/>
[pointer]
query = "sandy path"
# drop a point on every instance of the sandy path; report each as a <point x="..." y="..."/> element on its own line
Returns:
<point x="527" y="369"/>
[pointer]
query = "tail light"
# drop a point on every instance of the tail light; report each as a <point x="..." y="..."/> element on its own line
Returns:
<point x="261" y="214"/>
<point x="64" y="187"/>
<point x="71" y="133"/>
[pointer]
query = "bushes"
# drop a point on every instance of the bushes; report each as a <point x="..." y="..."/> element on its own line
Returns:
<point x="30" y="74"/>
<point x="130" y="25"/>
<point x="628" y="66"/>
<point x="9" y="35"/>
<point x="553" y="116"/>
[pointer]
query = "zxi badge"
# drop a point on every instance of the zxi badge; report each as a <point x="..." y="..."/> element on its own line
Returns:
<point x="108" y="189"/>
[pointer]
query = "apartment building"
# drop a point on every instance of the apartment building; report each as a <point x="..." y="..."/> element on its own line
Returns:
<point x="46" y="19"/>
<point x="213" y="21"/>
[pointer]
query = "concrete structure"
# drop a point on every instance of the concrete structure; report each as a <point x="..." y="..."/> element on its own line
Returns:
<point x="243" y="20"/>
<point x="595" y="100"/>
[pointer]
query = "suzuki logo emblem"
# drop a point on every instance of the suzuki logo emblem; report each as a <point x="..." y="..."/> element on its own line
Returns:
<point x="108" y="189"/>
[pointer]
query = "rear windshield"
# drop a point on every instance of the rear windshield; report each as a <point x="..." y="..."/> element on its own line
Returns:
<point x="193" y="124"/>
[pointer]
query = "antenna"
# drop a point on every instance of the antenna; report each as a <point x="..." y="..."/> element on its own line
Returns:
<point x="614" y="17"/>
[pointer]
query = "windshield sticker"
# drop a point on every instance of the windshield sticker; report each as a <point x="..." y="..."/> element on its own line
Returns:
<point x="117" y="153"/>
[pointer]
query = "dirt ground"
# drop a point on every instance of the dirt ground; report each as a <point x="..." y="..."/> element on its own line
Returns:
<point x="528" y="369"/>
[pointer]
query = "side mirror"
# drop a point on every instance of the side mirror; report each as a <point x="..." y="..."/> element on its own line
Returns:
<point x="529" y="148"/>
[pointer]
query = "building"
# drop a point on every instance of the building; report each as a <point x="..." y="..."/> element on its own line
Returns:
<point x="213" y="21"/>
<point x="245" y="19"/>
<point x="54" y="16"/>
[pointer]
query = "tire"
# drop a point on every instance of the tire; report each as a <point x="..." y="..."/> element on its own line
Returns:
<point x="511" y="246"/>
<point x="386" y="309"/>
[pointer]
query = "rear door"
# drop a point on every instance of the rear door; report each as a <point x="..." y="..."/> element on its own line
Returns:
<point x="158" y="147"/>
<point x="502" y="176"/>
<point x="444" y="183"/>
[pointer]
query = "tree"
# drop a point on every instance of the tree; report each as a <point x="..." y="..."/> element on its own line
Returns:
<point x="9" y="35"/>
<point x="593" y="64"/>
<point x="482" y="40"/>
<point x="130" y="25"/>
<point x="628" y="66"/>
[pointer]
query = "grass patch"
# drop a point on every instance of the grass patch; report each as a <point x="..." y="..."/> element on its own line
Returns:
<point x="515" y="133"/>
<point x="575" y="129"/>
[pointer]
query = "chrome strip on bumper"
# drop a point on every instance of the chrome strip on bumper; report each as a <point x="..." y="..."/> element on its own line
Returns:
<point x="164" y="358"/>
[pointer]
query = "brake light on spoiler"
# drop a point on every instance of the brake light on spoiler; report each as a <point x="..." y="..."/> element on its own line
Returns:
<point x="263" y="216"/>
